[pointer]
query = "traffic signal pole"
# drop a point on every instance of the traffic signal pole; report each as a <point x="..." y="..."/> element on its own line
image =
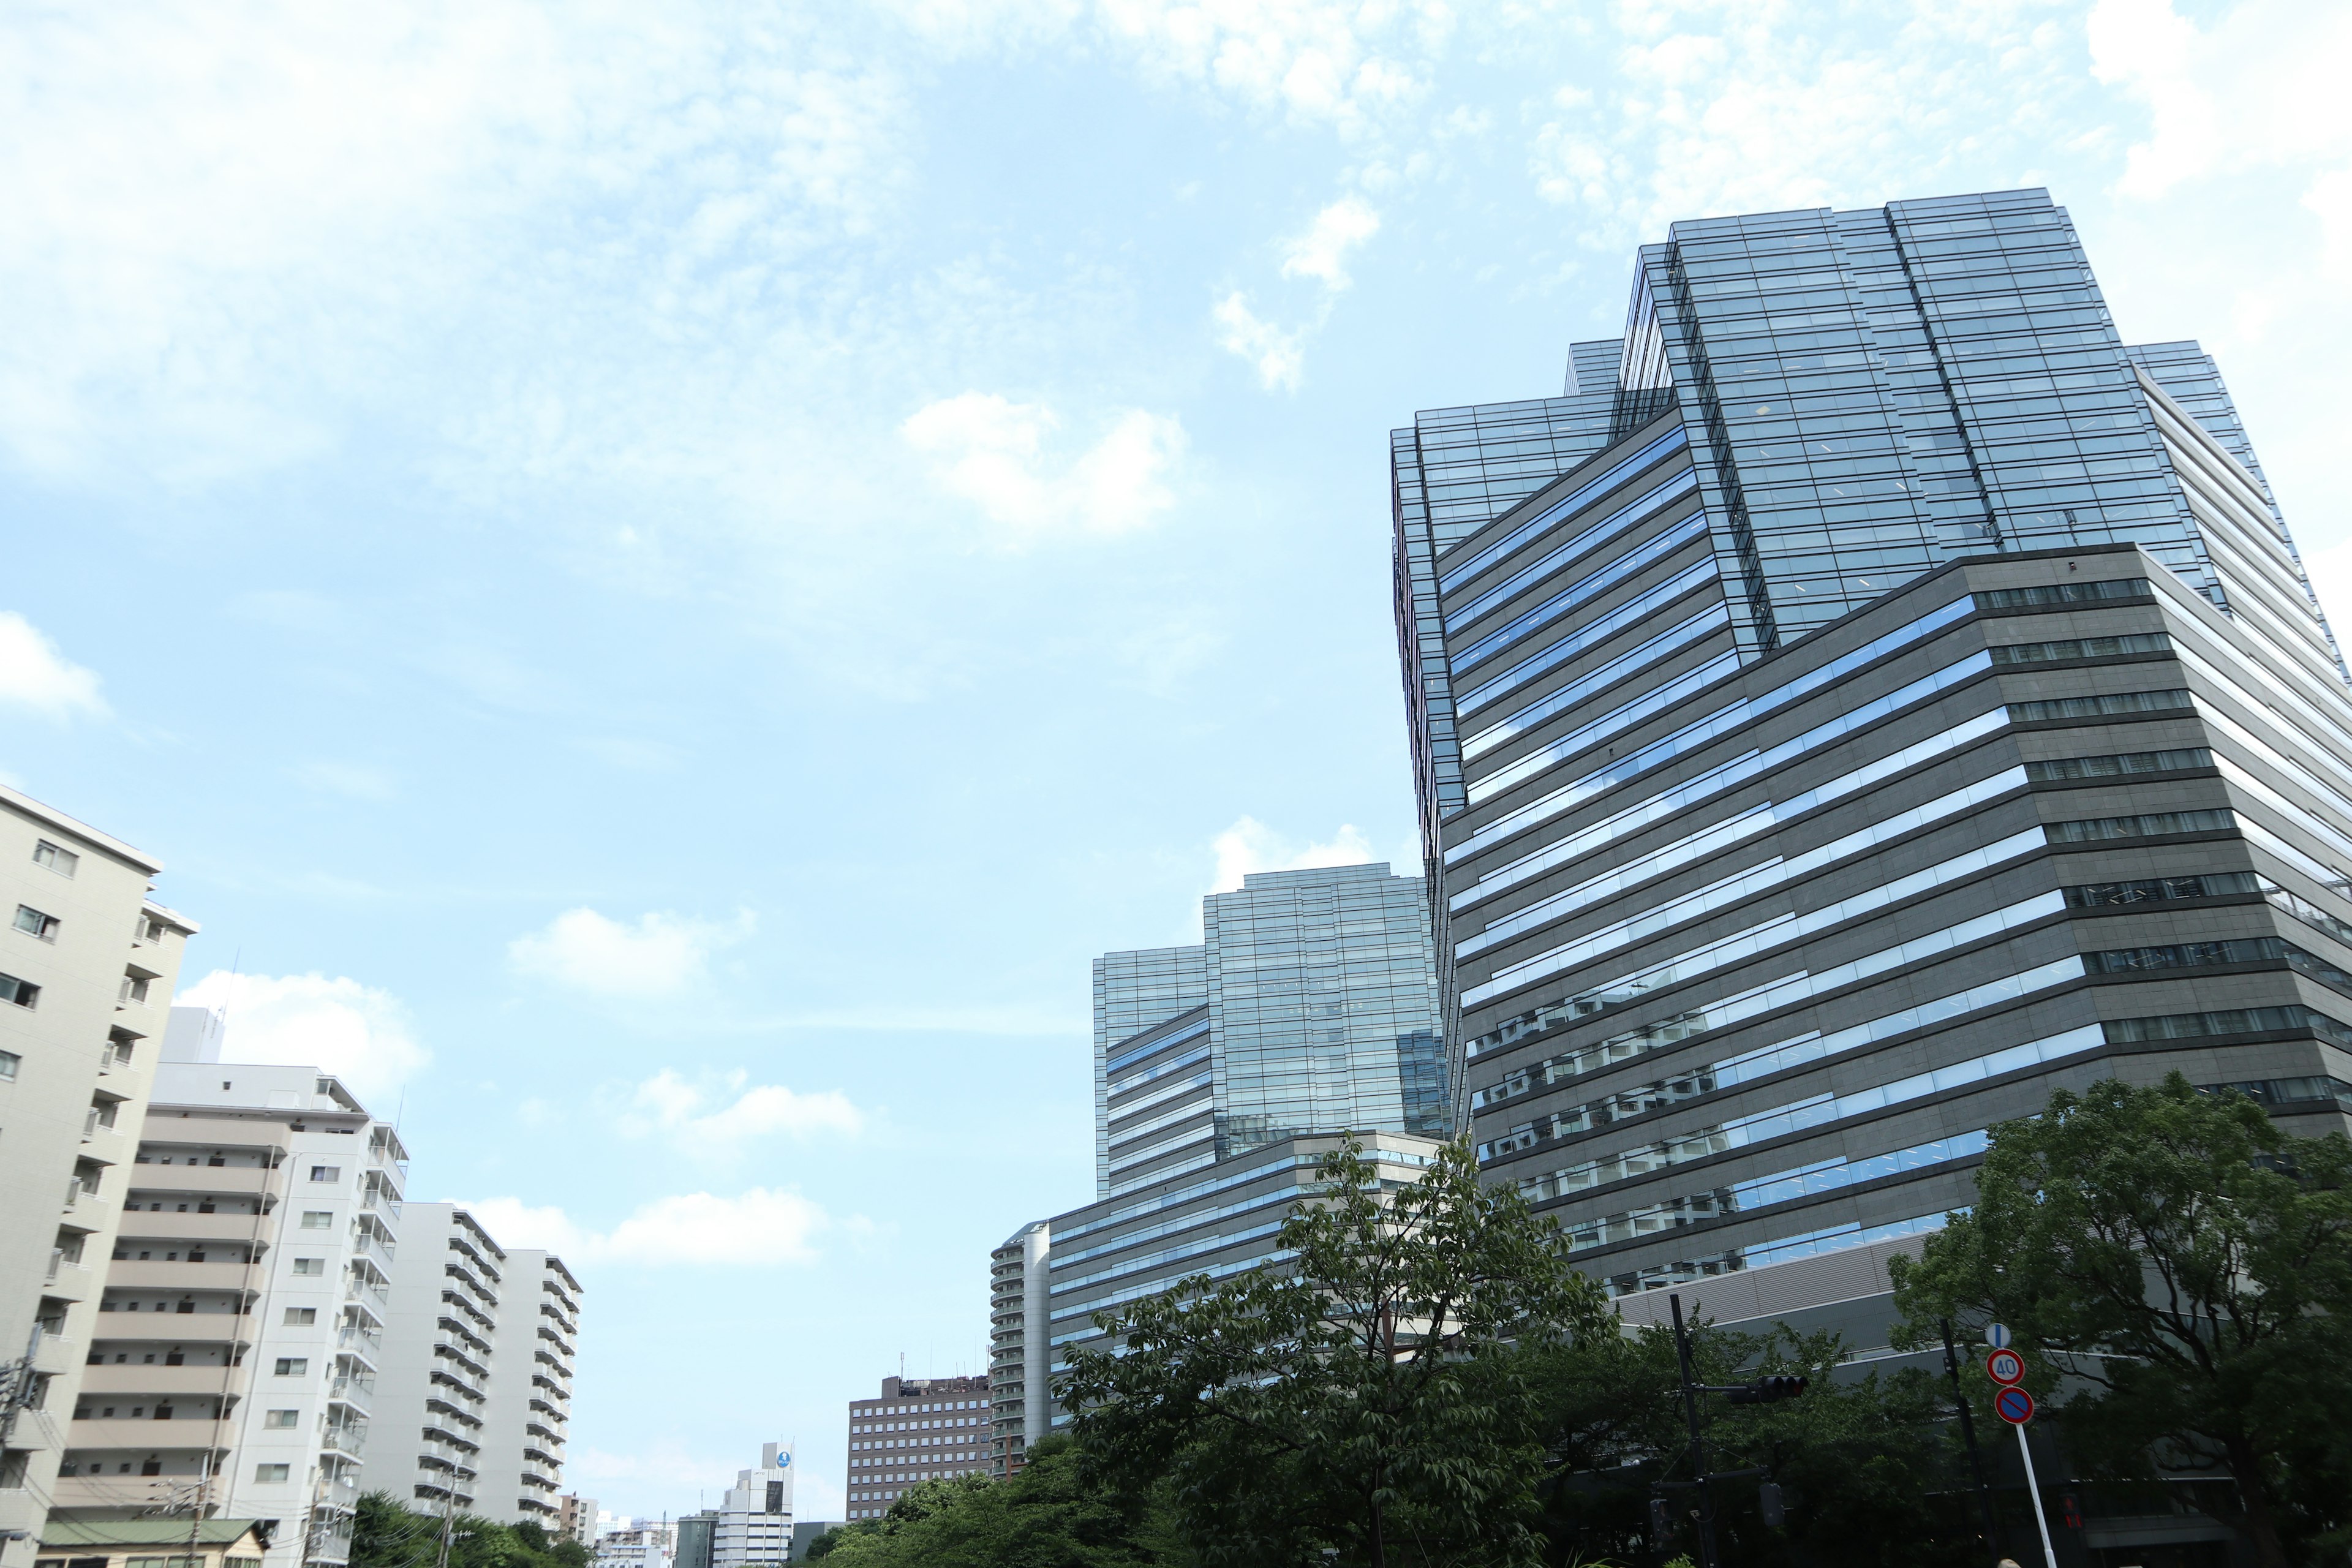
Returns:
<point x="1705" y="1512"/>
<point x="1968" y="1431"/>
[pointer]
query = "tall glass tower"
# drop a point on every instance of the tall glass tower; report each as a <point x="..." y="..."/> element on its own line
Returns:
<point x="1870" y="695"/>
<point x="1310" y="1005"/>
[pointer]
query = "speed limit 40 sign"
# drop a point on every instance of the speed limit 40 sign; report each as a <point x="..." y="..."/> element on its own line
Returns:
<point x="2005" y="1367"/>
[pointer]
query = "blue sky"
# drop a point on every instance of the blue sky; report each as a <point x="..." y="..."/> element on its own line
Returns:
<point x="662" y="577"/>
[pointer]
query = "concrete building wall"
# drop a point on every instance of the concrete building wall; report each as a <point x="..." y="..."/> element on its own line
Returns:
<point x="527" y="1415"/>
<point x="86" y="965"/>
<point x="754" y="1527"/>
<point x="439" y="1362"/>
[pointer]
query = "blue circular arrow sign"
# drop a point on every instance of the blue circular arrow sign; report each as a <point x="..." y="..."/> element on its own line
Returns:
<point x="2013" y="1405"/>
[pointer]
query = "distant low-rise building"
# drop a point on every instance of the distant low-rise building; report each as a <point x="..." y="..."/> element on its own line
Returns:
<point x="920" y="1428"/>
<point x="754" y="1527"/>
<point x="575" y="1519"/>
<point x="640" y="1543"/>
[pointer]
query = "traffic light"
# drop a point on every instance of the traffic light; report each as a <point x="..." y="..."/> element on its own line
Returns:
<point x="1662" y="1522"/>
<point x="1765" y="1390"/>
<point x="1769" y="1503"/>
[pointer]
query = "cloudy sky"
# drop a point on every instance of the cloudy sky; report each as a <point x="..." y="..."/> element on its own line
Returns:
<point x="663" y="576"/>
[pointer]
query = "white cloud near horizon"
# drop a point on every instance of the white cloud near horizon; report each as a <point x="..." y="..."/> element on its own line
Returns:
<point x="718" y="1119"/>
<point x="359" y="1032"/>
<point x="760" y="1228"/>
<point x="662" y="953"/>
<point x="1249" y="845"/>
<point x="35" y="674"/>
<point x="992" y="452"/>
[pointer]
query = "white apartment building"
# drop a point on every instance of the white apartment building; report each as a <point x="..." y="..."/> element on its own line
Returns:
<point x="276" y="1198"/>
<point x="755" y="1517"/>
<point x="433" y="1398"/>
<point x="86" y="967"/>
<point x="529" y="1411"/>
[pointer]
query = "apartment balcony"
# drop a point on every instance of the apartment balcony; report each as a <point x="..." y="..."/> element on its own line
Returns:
<point x="360" y="1346"/>
<point x="347" y="1437"/>
<point x="140" y="1225"/>
<point x="373" y="1247"/>
<point x="149" y="1435"/>
<point x="103" y="1143"/>
<point x="117" y="1383"/>
<point x="355" y="1390"/>
<point x="547" y="1477"/>
<point x="448" y="1347"/>
<point x="240" y="1181"/>
<point x="161" y="1274"/>
<point x="126" y="1329"/>
<point x="55" y="1353"/>
<point x="67" y="1281"/>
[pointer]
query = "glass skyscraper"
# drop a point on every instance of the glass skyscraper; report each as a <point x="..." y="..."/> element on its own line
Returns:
<point x="1223" y="1073"/>
<point x="1870" y="695"/>
<point x="1310" y="1005"/>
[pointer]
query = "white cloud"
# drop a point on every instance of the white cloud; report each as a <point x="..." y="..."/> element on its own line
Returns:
<point x="356" y="1032"/>
<point x="34" y="674"/>
<point x="1322" y="251"/>
<point x="1249" y="845"/>
<point x="1761" y="107"/>
<point x="1280" y="357"/>
<point x="662" y="953"/>
<point x="234" y="226"/>
<point x="761" y="1227"/>
<point x="718" y="1119"/>
<point x="992" y="452"/>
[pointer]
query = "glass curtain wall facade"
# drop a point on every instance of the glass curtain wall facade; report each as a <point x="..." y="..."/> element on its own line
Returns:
<point x="1310" y="1007"/>
<point x="1902" y="699"/>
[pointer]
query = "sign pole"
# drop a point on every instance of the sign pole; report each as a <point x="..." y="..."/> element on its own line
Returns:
<point x="2033" y="1491"/>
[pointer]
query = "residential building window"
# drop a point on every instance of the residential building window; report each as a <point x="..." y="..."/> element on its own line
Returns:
<point x="326" y="1172"/>
<point x="318" y="1219"/>
<point x="55" y="858"/>
<point x="8" y="1060"/>
<point x="282" y="1419"/>
<point x="23" y="993"/>
<point x="33" y="922"/>
<point x="134" y="991"/>
<point x="292" y="1365"/>
<point x="270" y="1472"/>
<point x="309" y="1265"/>
<point x="301" y="1317"/>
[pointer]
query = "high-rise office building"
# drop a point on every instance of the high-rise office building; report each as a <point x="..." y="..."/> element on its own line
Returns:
<point x="87" y="966"/>
<point x="262" y="1214"/>
<point x="1873" y="696"/>
<point x="1309" y="1006"/>
<point x="919" y="1429"/>
<point x="1222" y="1071"/>
<point x="754" y="1527"/>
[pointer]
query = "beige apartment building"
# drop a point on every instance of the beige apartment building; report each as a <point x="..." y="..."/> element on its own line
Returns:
<point x="88" y="963"/>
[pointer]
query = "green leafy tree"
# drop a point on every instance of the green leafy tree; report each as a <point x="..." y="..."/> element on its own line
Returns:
<point x="1054" y="1513"/>
<point x="388" y="1535"/>
<point x="1365" y="1404"/>
<point x="2187" y="1270"/>
<point x="1859" y="1458"/>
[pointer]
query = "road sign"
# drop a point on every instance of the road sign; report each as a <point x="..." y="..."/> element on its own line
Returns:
<point x="2013" y="1405"/>
<point x="2005" y="1367"/>
<point x="1996" y="1335"/>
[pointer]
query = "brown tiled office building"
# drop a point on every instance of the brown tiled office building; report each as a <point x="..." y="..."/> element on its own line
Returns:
<point x="920" y="1430"/>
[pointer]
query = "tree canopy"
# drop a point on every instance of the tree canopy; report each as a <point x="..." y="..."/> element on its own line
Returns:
<point x="388" y="1534"/>
<point x="2178" y="1274"/>
<point x="1359" y="1401"/>
<point x="1050" y="1514"/>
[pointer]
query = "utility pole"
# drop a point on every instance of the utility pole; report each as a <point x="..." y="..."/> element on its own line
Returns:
<point x="448" y="1502"/>
<point x="1969" y="1433"/>
<point x="1705" y="1512"/>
